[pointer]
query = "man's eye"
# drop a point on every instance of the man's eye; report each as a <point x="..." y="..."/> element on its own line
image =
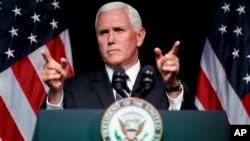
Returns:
<point x="103" y="32"/>
<point x="119" y="31"/>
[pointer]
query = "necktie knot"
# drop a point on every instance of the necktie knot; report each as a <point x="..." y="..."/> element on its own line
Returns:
<point x="126" y="77"/>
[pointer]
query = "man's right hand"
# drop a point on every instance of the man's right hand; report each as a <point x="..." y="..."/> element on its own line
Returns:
<point x="53" y="75"/>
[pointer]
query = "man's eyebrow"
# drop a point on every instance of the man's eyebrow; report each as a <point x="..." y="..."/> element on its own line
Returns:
<point x="118" y="28"/>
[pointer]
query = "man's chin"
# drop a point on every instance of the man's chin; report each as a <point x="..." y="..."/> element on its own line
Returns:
<point x="114" y="64"/>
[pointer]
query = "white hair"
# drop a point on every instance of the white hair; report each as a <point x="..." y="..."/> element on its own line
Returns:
<point x="133" y="14"/>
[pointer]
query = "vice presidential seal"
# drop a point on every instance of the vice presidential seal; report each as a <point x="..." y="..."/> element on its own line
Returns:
<point x="131" y="119"/>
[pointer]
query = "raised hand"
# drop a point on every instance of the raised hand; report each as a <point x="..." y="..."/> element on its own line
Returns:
<point x="54" y="74"/>
<point x="168" y="64"/>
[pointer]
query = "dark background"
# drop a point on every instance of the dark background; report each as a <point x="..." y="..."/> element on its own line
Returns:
<point x="165" y="22"/>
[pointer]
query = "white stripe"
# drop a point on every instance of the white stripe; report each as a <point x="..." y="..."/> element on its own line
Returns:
<point x="198" y="104"/>
<point x="38" y="61"/>
<point x="17" y="104"/>
<point x="66" y="41"/>
<point x="226" y="94"/>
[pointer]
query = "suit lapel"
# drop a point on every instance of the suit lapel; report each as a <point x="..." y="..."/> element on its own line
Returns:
<point x="136" y="86"/>
<point x="103" y="88"/>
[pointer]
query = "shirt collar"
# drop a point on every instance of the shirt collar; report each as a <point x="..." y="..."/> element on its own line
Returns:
<point x="131" y="72"/>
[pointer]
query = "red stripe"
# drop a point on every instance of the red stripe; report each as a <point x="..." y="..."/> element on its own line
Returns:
<point x="29" y="82"/>
<point x="206" y="94"/>
<point x="8" y="130"/>
<point x="56" y="48"/>
<point x="246" y="102"/>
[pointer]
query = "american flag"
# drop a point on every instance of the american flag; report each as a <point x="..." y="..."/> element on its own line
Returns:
<point x="26" y="27"/>
<point x="224" y="77"/>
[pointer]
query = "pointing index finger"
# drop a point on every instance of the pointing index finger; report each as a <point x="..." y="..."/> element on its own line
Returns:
<point x="175" y="48"/>
<point x="46" y="56"/>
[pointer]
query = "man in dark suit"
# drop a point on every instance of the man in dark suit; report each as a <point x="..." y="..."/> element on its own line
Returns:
<point x="120" y="34"/>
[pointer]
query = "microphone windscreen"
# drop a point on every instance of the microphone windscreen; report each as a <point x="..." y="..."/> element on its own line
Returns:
<point x="148" y="77"/>
<point x="118" y="80"/>
<point x="119" y="72"/>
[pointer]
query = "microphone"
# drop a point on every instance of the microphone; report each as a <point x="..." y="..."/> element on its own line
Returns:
<point x="119" y="82"/>
<point x="147" y="82"/>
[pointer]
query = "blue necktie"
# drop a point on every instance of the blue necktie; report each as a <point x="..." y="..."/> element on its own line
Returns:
<point x="119" y="96"/>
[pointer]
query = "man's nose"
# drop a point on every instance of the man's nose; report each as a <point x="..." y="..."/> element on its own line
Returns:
<point x="111" y="37"/>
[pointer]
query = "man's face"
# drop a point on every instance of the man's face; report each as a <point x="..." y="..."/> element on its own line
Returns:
<point x="118" y="41"/>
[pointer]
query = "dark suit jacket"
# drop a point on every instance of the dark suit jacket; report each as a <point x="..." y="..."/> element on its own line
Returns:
<point x="94" y="91"/>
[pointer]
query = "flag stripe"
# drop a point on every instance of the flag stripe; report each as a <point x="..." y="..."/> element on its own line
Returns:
<point x="245" y="101"/>
<point x="8" y="126"/>
<point x="25" y="73"/>
<point x="225" y="93"/>
<point x="17" y="104"/>
<point x="206" y="94"/>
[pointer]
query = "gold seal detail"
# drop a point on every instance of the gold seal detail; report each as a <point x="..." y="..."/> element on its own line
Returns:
<point x="131" y="119"/>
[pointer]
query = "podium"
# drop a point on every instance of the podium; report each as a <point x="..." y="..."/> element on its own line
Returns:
<point x="84" y="125"/>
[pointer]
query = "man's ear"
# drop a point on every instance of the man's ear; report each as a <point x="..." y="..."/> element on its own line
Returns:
<point x="141" y="36"/>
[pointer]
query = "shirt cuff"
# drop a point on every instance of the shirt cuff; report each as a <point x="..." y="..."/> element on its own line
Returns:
<point x="175" y="103"/>
<point x="51" y="106"/>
